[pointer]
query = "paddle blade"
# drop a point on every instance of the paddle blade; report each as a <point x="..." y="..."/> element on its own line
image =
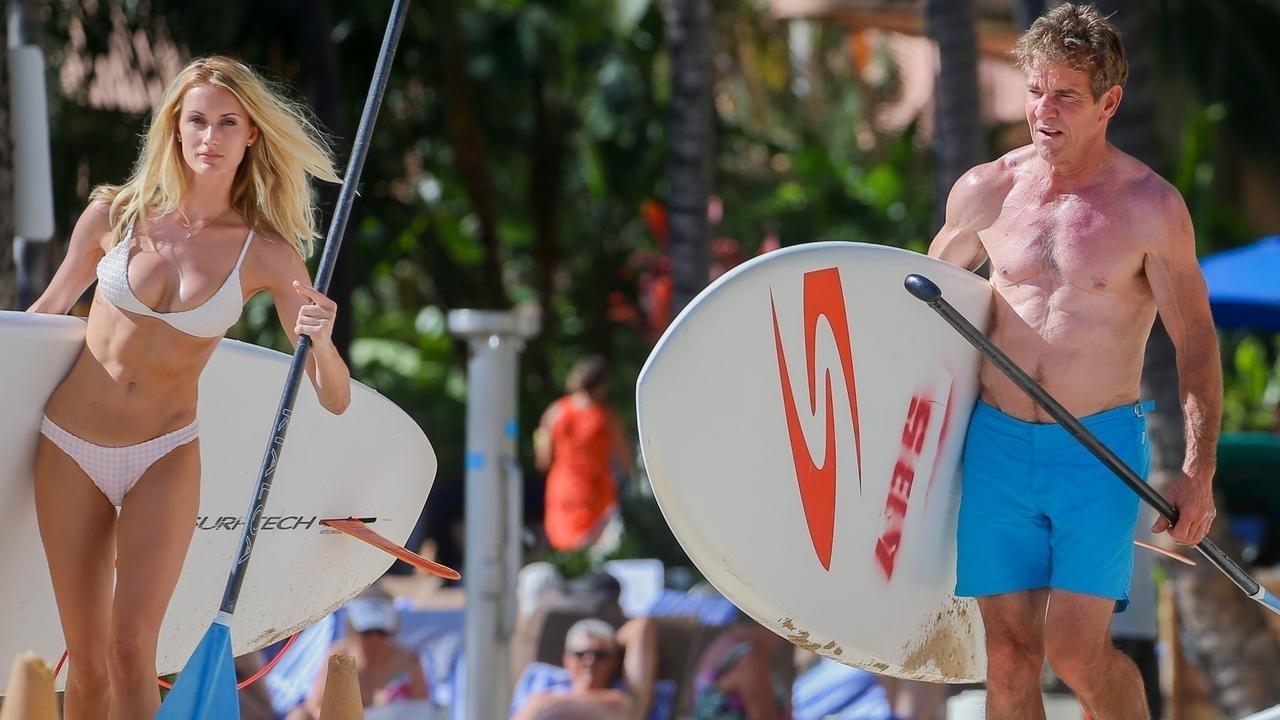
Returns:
<point x="1270" y="600"/>
<point x="206" y="689"/>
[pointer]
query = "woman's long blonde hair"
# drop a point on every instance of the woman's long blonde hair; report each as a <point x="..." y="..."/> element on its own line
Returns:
<point x="271" y="187"/>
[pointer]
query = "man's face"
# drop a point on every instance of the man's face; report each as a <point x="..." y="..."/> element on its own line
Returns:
<point x="1064" y="117"/>
<point x="592" y="663"/>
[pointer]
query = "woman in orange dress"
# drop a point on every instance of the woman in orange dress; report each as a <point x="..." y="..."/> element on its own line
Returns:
<point x="577" y="443"/>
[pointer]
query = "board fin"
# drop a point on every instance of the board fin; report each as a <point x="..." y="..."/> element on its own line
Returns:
<point x="1167" y="553"/>
<point x="359" y="528"/>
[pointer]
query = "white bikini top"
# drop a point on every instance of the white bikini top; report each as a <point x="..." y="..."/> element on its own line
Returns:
<point x="210" y="319"/>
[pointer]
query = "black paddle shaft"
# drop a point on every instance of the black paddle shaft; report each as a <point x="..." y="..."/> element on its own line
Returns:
<point x="924" y="289"/>
<point x="341" y="212"/>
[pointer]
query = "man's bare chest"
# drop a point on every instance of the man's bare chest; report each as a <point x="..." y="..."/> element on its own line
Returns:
<point x="1091" y="245"/>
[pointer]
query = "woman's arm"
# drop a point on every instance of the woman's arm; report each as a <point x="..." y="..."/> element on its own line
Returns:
<point x="304" y="310"/>
<point x="543" y="450"/>
<point x="418" y="689"/>
<point x="621" y="445"/>
<point x="750" y="680"/>
<point x="78" y="269"/>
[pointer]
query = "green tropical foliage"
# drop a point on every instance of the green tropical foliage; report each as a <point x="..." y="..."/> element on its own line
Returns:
<point x="520" y="158"/>
<point x="1251" y="367"/>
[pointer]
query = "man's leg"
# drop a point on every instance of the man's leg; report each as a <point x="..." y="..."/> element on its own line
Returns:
<point x="1015" y="626"/>
<point x="1077" y="641"/>
<point x="1142" y="651"/>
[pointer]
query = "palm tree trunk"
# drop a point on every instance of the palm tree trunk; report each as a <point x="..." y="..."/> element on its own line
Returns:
<point x="471" y="152"/>
<point x="958" y="135"/>
<point x="691" y="139"/>
<point x="8" y="273"/>
<point x="1135" y="128"/>
<point x="1223" y="632"/>
<point x="546" y="165"/>
<point x="324" y="88"/>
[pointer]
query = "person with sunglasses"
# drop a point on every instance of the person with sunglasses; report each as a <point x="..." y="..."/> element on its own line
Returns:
<point x="608" y="674"/>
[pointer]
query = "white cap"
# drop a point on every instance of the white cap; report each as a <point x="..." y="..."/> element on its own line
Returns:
<point x="372" y="613"/>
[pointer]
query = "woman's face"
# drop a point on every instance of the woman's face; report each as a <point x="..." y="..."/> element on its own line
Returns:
<point x="214" y="130"/>
<point x="376" y="642"/>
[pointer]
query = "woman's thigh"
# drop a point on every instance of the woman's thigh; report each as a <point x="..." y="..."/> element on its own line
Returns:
<point x="77" y="527"/>
<point x="156" y="523"/>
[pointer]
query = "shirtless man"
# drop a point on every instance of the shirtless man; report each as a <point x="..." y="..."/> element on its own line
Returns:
<point x="611" y="675"/>
<point x="1086" y="245"/>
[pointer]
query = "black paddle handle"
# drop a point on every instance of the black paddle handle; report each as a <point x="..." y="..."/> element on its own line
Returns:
<point x="342" y="211"/>
<point x="925" y="289"/>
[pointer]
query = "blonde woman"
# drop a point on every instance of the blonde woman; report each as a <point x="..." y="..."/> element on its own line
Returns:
<point x="218" y="209"/>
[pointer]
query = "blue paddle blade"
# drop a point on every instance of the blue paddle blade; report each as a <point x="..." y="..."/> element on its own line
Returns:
<point x="1270" y="600"/>
<point x="206" y="689"/>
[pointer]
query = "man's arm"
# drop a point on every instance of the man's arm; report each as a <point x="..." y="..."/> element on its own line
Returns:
<point x="1183" y="303"/>
<point x="969" y="209"/>
<point x="639" y="638"/>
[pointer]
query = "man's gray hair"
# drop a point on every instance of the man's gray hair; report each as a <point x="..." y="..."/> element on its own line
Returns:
<point x="1080" y="37"/>
<point x="587" y="629"/>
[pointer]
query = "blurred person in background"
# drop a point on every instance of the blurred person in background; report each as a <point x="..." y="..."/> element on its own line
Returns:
<point x="577" y="444"/>
<point x="388" y="672"/>
<point x="607" y="675"/>
<point x="734" y="681"/>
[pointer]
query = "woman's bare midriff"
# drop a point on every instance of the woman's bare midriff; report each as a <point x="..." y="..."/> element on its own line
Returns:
<point x="135" y="379"/>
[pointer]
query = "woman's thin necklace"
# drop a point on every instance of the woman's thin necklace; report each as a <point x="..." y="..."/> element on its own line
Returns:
<point x="186" y="223"/>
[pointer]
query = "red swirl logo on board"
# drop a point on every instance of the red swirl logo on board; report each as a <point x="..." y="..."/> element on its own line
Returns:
<point x="823" y="297"/>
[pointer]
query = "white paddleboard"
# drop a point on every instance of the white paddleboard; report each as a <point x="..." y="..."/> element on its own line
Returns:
<point x="802" y="422"/>
<point x="371" y="462"/>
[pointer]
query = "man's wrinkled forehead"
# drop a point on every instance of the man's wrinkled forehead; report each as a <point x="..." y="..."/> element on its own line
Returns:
<point x="1057" y="74"/>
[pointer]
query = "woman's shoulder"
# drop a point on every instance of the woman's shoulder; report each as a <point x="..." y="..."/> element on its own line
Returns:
<point x="272" y="254"/>
<point x="94" y="228"/>
<point x="558" y="408"/>
<point x="270" y="242"/>
<point x="97" y="216"/>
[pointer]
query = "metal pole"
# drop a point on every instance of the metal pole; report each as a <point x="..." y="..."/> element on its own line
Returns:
<point x="32" y="177"/>
<point x="495" y="340"/>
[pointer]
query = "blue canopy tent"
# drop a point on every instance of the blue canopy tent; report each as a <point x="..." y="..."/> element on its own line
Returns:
<point x="1244" y="294"/>
<point x="1244" y="286"/>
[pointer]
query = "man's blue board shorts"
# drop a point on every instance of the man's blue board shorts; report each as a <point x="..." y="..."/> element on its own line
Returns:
<point x="1038" y="510"/>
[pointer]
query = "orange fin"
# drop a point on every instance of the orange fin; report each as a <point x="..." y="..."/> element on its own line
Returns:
<point x="1169" y="554"/>
<point x="358" y="529"/>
